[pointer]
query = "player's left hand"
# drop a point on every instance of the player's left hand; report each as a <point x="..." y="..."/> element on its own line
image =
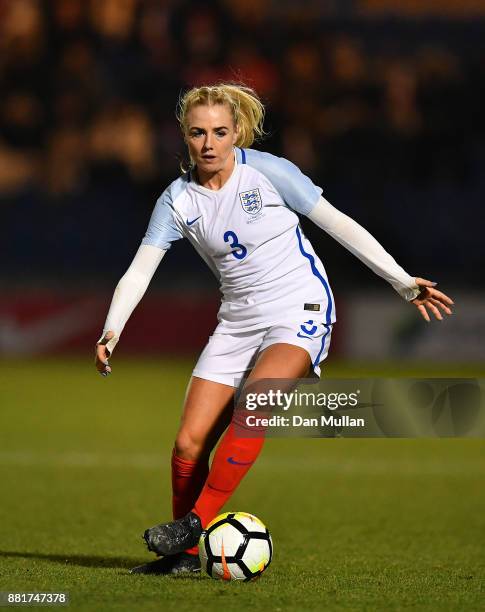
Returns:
<point x="433" y="299"/>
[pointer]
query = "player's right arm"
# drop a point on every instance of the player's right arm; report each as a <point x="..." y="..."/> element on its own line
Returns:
<point x="128" y="293"/>
<point x="162" y="231"/>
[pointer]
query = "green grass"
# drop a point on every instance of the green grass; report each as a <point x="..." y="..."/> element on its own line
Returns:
<point x="357" y="524"/>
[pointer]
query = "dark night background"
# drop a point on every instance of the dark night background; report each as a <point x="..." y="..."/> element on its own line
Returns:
<point x="383" y="112"/>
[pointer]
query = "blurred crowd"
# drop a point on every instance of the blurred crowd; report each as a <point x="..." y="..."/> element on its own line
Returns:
<point x="387" y="119"/>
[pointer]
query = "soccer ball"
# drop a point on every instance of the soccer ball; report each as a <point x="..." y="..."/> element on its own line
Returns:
<point x="235" y="546"/>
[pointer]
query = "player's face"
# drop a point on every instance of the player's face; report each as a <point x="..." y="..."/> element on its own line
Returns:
<point x="210" y="136"/>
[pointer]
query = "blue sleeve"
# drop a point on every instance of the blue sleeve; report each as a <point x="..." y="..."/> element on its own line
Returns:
<point x="162" y="230"/>
<point x="295" y="188"/>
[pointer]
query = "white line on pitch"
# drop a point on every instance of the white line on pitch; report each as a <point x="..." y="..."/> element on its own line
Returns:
<point x="357" y="465"/>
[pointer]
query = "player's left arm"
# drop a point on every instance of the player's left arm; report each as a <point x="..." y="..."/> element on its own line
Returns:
<point x="362" y="244"/>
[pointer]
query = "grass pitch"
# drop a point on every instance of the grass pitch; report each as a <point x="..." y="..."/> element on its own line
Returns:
<point x="357" y="524"/>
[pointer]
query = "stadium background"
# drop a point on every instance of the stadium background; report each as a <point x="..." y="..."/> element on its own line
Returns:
<point x="382" y="109"/>
<point x="381" y="103"/>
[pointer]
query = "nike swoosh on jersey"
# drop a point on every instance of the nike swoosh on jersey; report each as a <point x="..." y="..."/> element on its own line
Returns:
<point x="193" y="220"/>
<point x="300" y="335"/>
<point x="234" y="462"/>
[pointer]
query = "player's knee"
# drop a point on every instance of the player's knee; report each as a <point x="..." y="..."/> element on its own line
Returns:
<point x="188" y="446"/>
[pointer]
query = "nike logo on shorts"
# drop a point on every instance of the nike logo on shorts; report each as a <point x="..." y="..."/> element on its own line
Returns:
<point x="307" y="331"/>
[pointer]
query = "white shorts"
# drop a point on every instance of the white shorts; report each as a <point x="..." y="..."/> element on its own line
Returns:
<point x="228" y="357"/>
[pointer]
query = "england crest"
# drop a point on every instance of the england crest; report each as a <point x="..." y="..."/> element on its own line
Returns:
<point x="251" y="201"/>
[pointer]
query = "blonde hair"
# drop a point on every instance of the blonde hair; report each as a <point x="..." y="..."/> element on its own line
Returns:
<point x="244" y="103"/>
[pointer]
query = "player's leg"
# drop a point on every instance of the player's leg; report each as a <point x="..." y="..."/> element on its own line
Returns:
<point x="207" y="412"/>
<point x="232" y="460"/>
<point x="236" y="454"/>
<point x="208" y="408"/>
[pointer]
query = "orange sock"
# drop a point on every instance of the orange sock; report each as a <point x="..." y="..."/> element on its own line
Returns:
<point x="232" y="460"/>
<point x="188" y="478"/>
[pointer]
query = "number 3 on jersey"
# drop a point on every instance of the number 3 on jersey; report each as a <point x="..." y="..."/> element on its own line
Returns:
<point x="238" y="250"/>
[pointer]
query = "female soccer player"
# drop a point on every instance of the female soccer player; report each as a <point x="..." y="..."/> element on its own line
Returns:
<point x="239" y="208"/>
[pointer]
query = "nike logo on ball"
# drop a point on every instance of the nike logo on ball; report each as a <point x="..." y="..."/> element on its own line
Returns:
<point x="234" y="462"/>
<point x="226" y="574"/>
<point x="193" y="220"/>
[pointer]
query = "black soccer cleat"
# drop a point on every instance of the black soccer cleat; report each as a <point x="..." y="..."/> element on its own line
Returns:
<point x="182" y="563"/>
<point x="175" y="537"/>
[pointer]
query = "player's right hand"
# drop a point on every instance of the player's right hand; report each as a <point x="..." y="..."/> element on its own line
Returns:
<point x="102" y="353"/>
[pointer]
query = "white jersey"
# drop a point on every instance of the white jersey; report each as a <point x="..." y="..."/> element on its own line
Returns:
<point x="249" y="235"/>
